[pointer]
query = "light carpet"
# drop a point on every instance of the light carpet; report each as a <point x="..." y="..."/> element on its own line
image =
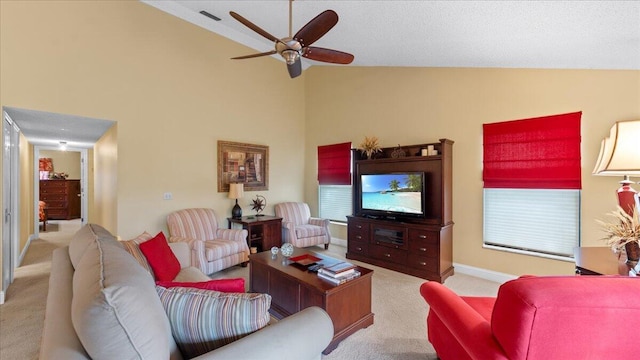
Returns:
<point x="22" y="314"/>
<point x="399" y="328"/>
<point x="398" y="332"/>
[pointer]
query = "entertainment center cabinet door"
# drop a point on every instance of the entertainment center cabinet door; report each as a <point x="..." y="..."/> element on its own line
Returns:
<point x="390" y="236"/>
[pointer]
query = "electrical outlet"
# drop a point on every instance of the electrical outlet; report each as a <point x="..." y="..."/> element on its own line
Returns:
<point x="167" y="196"/>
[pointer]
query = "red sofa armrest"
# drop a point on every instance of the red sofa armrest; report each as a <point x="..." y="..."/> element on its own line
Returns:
<point x="471" y="330"/>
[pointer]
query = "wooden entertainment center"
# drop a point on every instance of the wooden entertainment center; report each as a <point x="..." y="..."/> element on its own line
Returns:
<point x="419" y="246"/>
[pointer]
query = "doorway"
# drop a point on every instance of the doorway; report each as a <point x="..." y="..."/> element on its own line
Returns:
<point x="68" y="164"/>
<point x="10" y="223"/>
<point x="38" y="129"/>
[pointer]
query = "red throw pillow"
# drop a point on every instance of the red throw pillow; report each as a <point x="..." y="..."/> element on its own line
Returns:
<point x="235" y="285"/>
<point x="163" y="262"/>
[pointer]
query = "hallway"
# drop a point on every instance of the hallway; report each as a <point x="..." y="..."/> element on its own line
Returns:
<point x="22" y="314"/>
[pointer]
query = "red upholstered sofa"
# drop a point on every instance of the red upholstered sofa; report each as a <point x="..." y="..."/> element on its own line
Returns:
<point x="563" y="317"/>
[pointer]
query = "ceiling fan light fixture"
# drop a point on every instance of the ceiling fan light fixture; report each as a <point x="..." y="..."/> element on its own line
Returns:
<point x="293" y="47"/>
<point x="290" y="56"/>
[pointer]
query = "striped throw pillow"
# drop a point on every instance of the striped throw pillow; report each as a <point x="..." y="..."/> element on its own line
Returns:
<point x="204" y="320"/>
<point x="133" y="247"/>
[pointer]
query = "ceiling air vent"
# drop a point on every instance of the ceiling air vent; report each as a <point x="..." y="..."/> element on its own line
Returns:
<point x="211" y="16"/>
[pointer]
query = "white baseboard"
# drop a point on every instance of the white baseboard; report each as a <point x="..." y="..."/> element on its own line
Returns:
<point x="483" y="273"/>
<point x="1" y="297"/>
<point x="26" y="247"/>
<point x="340" y="242"/>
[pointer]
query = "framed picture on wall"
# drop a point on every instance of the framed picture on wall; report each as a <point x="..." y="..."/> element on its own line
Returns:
<point x="243" y="163"/>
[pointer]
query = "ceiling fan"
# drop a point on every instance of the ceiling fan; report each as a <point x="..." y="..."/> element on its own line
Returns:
<point x="291" y="48"/>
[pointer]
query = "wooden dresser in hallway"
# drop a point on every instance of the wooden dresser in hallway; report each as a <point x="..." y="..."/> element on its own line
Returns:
<point x="62" y="198"/>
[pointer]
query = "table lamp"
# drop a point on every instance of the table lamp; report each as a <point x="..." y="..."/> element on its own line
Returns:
<point x="620" y="156"/>
<point x="236" y="191"/>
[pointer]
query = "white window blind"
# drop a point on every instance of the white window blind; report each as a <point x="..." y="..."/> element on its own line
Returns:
<point x="543" y="221"/>
<point x="335" y="202"/>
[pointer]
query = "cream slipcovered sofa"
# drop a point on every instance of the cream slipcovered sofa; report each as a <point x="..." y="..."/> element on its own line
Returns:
<point x="102" y="304"/>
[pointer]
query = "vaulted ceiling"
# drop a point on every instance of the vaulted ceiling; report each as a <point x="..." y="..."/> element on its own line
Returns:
<point x="504" y="34"/>
<point x="497" y="34"/>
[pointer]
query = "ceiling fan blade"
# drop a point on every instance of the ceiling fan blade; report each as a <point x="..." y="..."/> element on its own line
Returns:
<point x="255" y="55"/>
<point x="327" y="55"/>
<point x="253" y="26"/>
<point x="317" y="27"/>
<point x="295" y="69"/>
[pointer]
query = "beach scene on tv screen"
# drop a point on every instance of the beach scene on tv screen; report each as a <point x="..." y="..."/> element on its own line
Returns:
<point x="392" y="192"/>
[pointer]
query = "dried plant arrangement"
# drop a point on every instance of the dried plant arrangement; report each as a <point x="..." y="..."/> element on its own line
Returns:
<point x="624" y="229"/>
<point x="369" y="146"/>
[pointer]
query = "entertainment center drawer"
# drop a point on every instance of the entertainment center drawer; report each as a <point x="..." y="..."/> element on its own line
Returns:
<point x="388" y="254"/>
<point x="423" y="248"/>
<point x="357" y="247"/>
<point x="423" y="236"/>
<point x="358" y="231"/>
<point x="423" y="263"/>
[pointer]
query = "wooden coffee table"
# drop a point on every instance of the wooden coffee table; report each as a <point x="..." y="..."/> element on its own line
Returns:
<point x="293" y="288"/>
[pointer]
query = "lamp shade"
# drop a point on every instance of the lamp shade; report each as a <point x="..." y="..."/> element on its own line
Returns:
<point x="620" y="151"/>
<point x="236" y="191"/>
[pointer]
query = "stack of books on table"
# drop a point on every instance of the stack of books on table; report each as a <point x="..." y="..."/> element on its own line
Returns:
<point x="338" y="273"/>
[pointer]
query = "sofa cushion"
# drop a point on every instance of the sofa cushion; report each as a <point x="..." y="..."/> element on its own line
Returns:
<point x="115" y="309"/>
<point x="85" y="237"/>
<point x="133" y="247"/>
<point x="220" y="248"/>
<point x="162" y="260"/>
<point x="306" y="230"/>
<point x="203" y="320"/>
<point x="191" y="274"/>
<point x="223" y="285"/>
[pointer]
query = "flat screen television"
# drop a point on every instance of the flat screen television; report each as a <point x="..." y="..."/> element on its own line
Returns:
<point x="392" y="195"/>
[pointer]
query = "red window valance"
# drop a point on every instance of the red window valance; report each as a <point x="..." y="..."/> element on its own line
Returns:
<point x="537" y="153"/>
<point x="334" y="164"/>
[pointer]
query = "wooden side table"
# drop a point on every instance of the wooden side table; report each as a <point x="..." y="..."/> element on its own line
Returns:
<point x="264" y="231"/>
<point x="601" y="261"/>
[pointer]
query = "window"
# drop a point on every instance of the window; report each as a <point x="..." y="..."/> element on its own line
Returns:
<point x="335" y="202"/>
<point x="532" y="185"/>
<point x="334" y="178"/>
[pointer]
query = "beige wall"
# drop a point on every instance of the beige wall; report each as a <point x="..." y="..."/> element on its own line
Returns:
<point x="104" y="206"/>
<point x="67" y="162"/>
<point x="27" y="201"/>
<point x="173" y="92"/>
<point x="417" y="105"/>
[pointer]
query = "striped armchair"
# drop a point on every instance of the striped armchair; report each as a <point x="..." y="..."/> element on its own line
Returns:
<point x="212" y="249"/>
<point x="299" y="228"/>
